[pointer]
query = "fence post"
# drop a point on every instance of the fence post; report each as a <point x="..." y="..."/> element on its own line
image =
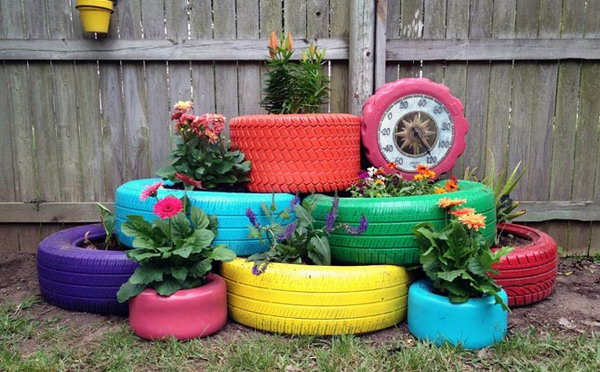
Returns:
<point x="380" y="42"/>
<point x="361" y="53"/>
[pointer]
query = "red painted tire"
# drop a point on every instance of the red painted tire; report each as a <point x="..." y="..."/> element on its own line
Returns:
<point x="299" y="152"/>
<point x="376" y="106"/>
<point x="528" y="273"/>
<point x="188" y="313"/>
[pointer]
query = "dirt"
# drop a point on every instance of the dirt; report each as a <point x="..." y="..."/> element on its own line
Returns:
<point x="574" y="307"/>
<point x="509" y="240"/>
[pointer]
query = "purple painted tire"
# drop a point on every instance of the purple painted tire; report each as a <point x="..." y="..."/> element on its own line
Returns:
<point x="80" y="279"/>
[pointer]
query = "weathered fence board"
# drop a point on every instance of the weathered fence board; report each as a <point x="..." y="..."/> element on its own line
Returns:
<point x="86" y="112"/>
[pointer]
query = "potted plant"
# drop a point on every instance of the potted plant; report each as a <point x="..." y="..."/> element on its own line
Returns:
<point x="393" y="206"/>
<point x="95" y="14"/>
<point x="527" y="273"/>
<point x="292" y="288"/>
<point x="295" y="148"/>
<point x="172" y="293"/>
<point x="211" y="173"/>
<point x="459" y="303"/>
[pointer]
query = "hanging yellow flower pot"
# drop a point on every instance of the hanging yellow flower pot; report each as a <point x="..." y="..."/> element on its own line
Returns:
<point x="95" y="14"/>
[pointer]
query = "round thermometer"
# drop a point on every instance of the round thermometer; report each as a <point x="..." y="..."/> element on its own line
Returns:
<point x="411" y="122"/>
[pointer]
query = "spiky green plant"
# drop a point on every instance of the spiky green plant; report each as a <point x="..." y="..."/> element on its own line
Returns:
<point x="502" y="184"/>
<point x="294" y="87"/>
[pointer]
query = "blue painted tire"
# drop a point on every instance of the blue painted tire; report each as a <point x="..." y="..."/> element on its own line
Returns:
<point x="230" y="209"/>
<point x="475" y="324"/>
<point x="79" y="279"/>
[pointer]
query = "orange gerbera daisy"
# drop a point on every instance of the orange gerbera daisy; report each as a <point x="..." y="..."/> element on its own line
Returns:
<point x="473" y="221"/>
<point x="447" y="203"/>
<point x="392" y="165"/>
<point x="439" y="190"/>
<point x="463" y="211"/>
<point x="422" y="168"/>
<point x="451" y="184"/>
<point x="379" y="171"/>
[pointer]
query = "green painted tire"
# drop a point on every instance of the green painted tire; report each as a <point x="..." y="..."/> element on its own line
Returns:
<point x="389" y="238"/>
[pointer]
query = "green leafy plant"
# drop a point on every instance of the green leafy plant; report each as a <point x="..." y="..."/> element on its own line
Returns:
<point x="383" y="183"/>
<point x="107" y="218"/>
<point x="457" y="259"/>
<point x="502" y="184"/>
<point x="175" y="251"/>
<point x="294" y="87"/>
<point x="203" y="158"/>
<point x="299" y="241"/>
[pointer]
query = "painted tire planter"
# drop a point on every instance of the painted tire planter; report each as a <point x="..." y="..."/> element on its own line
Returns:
<point x="229" y="208"/>
<point x="528" y="273"/>
<point x="80" y="279"/>
<point x="299" y="153"/>
<point x="475" y="324"/>
<point x="188" y="313"/>
<point x="389" y="238"/>
<point x="316" y="300"/>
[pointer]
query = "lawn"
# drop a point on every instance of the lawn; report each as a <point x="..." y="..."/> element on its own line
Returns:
<point x="559" y="334"/>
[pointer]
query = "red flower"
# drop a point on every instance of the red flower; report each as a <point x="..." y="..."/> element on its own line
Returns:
<point x="189" y="180"/>
<point x="168" y="207"/>
<point x="150" y="191"/>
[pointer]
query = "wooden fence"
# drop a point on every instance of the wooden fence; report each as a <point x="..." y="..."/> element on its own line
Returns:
<point x="84" y="113"/>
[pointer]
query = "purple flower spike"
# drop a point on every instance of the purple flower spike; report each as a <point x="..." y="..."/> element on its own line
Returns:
<point x="294" y="202"/>
<point x="361" y="228"/>
<point x="363" y="174"/>
<point x="331" y="216"/>
<point x="252" y="217"/>
<point x="287" y="234"/>
<point x="258" y="269"/>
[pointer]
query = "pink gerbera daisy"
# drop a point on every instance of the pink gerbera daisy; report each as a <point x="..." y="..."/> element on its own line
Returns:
<point x="168" y="207"/>
<point x="189" y="180"/>
<point x="150" y="191"/>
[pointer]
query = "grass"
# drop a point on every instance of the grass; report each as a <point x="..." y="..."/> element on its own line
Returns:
<point x="28" y="344"/>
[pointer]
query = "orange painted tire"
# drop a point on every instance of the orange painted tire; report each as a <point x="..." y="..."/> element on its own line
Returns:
<point x="299" y="152"/>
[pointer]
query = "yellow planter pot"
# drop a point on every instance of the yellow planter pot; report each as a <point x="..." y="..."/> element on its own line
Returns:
<point x="95" y="14"/>
<point x="316" y="300"/>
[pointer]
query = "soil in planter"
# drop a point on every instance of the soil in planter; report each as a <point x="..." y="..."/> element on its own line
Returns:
<point x="98" y="244"/>
<point x="233" y="189"/>
<point x="509" y="240"/>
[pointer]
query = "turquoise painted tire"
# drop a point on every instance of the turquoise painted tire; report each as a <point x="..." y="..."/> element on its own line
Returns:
<point x="389" y="238"/>
<point x="230" y="209"/>
<point x="475" y="324"/>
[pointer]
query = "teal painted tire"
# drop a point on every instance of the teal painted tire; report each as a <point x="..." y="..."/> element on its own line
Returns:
<point x="230" y="209"/>
<point x="475" y="324"/>
<point x="389" y="238"/>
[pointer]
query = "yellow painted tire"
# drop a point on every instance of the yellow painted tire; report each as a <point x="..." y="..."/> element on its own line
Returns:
<point x="316" y="300"/>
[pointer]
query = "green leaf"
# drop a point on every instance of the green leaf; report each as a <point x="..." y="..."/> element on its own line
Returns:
<point x="199" y="218"/>
<point x="266" y="210"/>
<point x="181" y="226"/>
<point x="450" y="275"/>
<point x="146" y="274"/>
<point x="179" y="273"/>
<point x="304" y="218"/>
<point x="128" y="290"/>
<point x="321" y="247"/>
<point x="185" y="251"/>
<point x="201" y="268"/>
<point x="221" y="253"/>
<point x="168" y="287"/>
<point x="137" y="227"/>
<point x="203" y="238"/>
<point x="166" y="172"/>
<point x="139" y="255"/>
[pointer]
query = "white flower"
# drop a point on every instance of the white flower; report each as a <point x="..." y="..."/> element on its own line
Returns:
<point x="371" y="171"/>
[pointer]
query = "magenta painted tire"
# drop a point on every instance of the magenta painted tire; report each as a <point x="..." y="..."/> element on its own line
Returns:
<point x="377" y="105"/>
<point x="188" y="313"/>
<point x="80" y="279"/>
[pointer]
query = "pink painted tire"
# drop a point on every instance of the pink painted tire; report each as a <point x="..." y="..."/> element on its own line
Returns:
<point x="186" y="314"/>
<point x="376" y="106"/>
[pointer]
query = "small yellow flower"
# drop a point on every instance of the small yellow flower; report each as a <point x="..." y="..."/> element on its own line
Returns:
<point x="183" y="105"/>
<point x="473" y="221"/>
<point x="447" y="203"/>
<point x="439" y="190"/>
<point x="379" y="182"/>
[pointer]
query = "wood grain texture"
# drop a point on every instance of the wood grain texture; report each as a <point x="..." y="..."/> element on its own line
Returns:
<point x="226" y="73"/>
<point x="339" y="28"/>
<point x="362" y="42"/>
<point x="249" y="93"/>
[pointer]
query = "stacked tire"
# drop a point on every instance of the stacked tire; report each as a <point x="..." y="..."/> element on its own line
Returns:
<point x="389" y="238"/>
<point x="299" y="153"/>
<point x="79" y="279"/>
<point x="528" y="273"/>
<point x="229" y="208"/>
